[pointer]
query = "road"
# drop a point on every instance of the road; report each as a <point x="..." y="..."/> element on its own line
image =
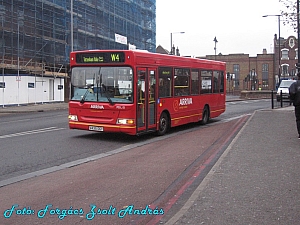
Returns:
<point x="36" y="141"/>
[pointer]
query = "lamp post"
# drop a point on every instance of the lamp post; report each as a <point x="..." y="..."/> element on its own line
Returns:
<point x="182" y="32"/>
<point x="20" y="22"/>
<point x="72" y="24"/>
<point x="2" y="15"/>
<point x="215" y="40"/>
<point x="279" y="47"/>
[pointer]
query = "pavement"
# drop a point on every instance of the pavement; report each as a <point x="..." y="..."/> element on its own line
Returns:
<point x="255" y="181"/>
<point x="27" y="108"/>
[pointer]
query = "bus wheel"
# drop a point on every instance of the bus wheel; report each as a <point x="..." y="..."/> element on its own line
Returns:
<point x="205" y="116"/>
<point x="163" y="124"/>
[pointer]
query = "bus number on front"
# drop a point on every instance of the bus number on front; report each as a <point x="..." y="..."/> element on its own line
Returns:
<point x="115" y="57"/>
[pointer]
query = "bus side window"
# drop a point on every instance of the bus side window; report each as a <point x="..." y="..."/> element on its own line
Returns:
<point x="195" y="82"/>
<point x="165" y="82"/>
<point x="222" y="82"/>
<point x="205" y="81"/>
<point x="182" y="82"/>
<point x="216" y="84"/>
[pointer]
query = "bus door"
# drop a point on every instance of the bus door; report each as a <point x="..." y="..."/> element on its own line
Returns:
<point x="146" y="99"/>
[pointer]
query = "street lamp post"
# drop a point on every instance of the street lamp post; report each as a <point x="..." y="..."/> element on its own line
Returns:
<point x="2" y="14"/>
<point x="20" y="22"/>
<point x="279" y="47"/>
<point x="182" y="32"/>
<point x="72" y="24"/>
<point x="215" y="40"/>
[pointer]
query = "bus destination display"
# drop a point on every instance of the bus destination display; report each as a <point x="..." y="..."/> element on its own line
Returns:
<point x="100" y="57"/>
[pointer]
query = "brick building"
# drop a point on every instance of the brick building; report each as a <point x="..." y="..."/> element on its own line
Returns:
<point x="245" y="72"/>
<point x="248" y="73"/>
<point x="261" y="72"/>
<point x="289" y="55"/>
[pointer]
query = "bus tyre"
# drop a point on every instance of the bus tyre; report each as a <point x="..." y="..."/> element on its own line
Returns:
<point x="163" y="124"/>
<point x="205" y="116"/>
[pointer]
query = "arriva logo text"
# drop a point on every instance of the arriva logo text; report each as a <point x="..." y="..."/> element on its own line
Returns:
<point x="97" y="107"/>
<point x="186" y="101"/>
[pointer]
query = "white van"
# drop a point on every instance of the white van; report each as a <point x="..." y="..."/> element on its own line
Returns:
<point x="284" y="88"/>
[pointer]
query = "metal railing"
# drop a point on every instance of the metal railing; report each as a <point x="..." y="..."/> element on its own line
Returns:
<point x="280" y="101"/>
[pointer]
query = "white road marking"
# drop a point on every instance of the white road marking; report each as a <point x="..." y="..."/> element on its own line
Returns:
<point x="43" y="130"/>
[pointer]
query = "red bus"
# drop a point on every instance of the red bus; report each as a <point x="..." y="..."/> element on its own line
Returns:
<point x="136" y="92"/>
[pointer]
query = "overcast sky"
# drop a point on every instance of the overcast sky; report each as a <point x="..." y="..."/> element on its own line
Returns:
<point x="238" y="26"/>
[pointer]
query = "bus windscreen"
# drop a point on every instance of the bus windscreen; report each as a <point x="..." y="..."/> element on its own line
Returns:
<point x="102" y="84"/>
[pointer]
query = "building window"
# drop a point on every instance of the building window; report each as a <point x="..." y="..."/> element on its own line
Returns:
<point x="265" y="76"/>
<point x="293" y="72"/>
<point x="236" y="76"/>
<point x="285" y="54"/>
<point x="285" y="70"/>
<point x="291" y="42"/>
<point x="30" y="85"/>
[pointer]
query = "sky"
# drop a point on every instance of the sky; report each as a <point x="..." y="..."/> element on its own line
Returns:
<point x="238" y="26"/>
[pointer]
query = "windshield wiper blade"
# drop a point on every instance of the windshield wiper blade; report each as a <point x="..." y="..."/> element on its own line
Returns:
<point x="85" y="94"/>
<point x="109" y="99"/>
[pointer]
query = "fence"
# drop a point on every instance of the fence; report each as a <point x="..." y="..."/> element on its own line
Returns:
<point x="277" y="101"/>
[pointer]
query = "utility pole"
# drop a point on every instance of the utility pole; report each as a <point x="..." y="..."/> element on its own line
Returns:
<point x="298" y="31"/>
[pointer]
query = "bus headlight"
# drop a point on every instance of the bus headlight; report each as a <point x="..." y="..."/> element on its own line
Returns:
<point x="125" y="121"/>
<point x="73" y="117"/>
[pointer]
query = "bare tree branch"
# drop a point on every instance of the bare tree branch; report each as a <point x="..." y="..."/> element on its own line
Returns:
<point x="290" y="13"/>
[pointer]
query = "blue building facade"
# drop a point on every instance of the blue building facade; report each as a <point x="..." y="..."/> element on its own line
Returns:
<point x="37" y="36"/>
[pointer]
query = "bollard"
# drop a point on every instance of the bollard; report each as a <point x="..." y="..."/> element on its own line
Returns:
<point x="272" y="99"/>
<point x="281" y="105"/>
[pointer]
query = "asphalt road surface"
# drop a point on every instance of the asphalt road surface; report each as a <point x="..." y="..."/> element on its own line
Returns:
<point x="36" y="141"/>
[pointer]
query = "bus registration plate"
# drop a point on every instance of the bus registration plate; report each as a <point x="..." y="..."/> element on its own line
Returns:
<point x="93" y="128"/>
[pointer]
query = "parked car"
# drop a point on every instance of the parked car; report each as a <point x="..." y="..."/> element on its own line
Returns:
<point x="284" y="88"/>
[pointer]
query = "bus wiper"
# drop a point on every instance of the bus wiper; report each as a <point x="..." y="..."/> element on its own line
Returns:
<point x="105" y="94"/>
<point x="85" y="94"/>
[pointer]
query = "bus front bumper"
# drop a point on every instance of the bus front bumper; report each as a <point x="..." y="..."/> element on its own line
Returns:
<point x="109" y="128"/>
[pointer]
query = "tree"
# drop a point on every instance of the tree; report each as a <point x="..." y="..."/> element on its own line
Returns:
<point x="290" y="14"/>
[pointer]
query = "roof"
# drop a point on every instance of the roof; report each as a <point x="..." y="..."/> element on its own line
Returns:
<point x="161" y="50"/>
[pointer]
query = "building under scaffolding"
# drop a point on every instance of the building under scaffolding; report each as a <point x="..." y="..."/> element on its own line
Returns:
<point x="37" y="36"/>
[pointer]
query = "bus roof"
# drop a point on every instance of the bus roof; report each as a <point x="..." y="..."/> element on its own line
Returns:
<point x="143" y="57"/>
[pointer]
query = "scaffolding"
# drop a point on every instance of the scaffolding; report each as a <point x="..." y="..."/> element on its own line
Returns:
<point x="97" y="21"/>
<point x="35" y="35"/>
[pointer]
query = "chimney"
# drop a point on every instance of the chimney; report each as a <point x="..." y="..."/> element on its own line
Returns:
<point x="173" y="50"/>
<point x="264" y="51"/>
<point x="177" y="52"/>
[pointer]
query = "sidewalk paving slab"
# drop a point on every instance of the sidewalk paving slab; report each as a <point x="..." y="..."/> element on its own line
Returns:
<point x="256" y="181"/>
